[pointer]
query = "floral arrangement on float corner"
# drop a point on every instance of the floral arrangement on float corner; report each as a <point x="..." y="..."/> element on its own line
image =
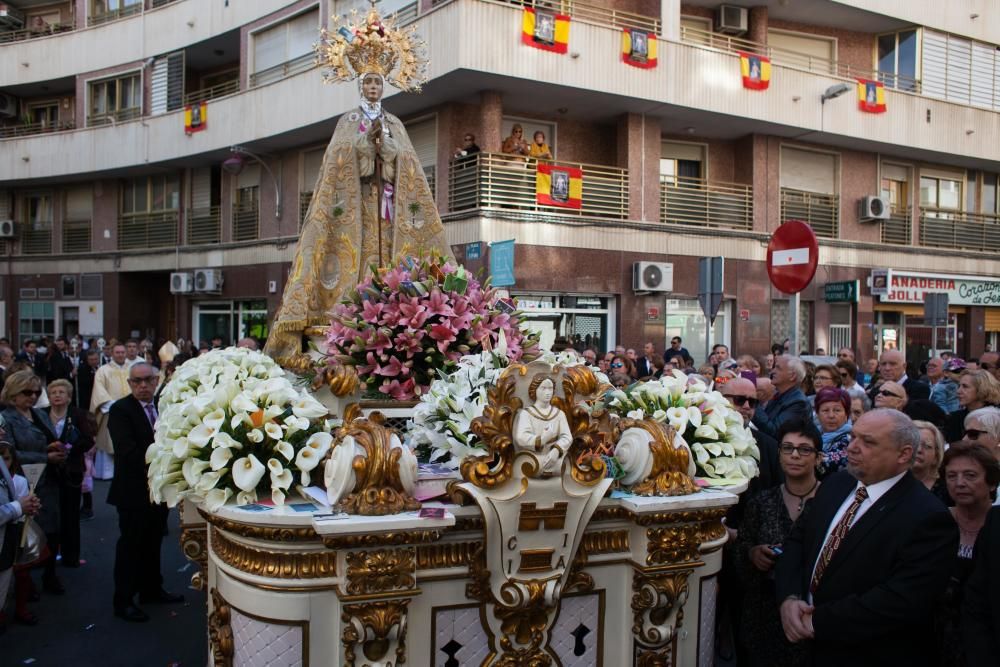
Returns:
<point x="724" y="449"/>
<point x="441" y="427"/>
<point x="404" y="324"/>
<point x="230" y="425"/>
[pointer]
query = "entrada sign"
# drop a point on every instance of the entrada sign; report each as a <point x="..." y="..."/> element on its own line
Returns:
<point x="906" y="287"/>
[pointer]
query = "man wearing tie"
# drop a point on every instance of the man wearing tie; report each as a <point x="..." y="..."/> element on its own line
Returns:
<point x="861" y="575"/>
<point x="644" y="367"/>
<point x="140" y="522"/>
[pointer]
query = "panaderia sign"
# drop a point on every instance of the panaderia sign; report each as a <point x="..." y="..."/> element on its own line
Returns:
<point x="904" y="287"/>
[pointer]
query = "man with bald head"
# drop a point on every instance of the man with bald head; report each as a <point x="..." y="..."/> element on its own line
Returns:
<point x="742" y="393"/>
<point x="892" y="368"/>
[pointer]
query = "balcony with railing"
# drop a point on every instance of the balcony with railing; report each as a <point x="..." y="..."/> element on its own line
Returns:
<point x="212" y="92"/>
<point x="246" y="223"/>
<point x="498" y="181"/>
<point x="28" y="129"/>
<point x="283" y="70"/>
<point x="110" y="15"/>
<point x="138" y="231"/>
<point x="36" y="238"/>
<point x="76" y="236"/>
<point x="602" y="16"/>
<point x="204" y="225"/>
<point x="796" y="60"/>
<point x="942" y="228"/>
<point x="898" y="228"/>
<point x="701" y="203"/>
<point x="820" y="211"/>
<point x="9" y="36"/>
<point x="113" y="117"/>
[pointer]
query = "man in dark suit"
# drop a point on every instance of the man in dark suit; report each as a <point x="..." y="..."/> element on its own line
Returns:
<point x="861" y="575"/>
<point x="644" y="367"/>
<point x="29" y="354"/>
<point x="981" y="604"/>
<point x="892" y="368"/>
<point x="789" y="402"/>
<point x="141" y="523"/>
<point x="59" y="365"/>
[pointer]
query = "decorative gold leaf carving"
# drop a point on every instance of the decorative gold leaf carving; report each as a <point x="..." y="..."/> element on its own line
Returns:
<point x="377" y="628"/>
<point x="274" y="564"/>
<point x="380" y="571"/>
<point x="220" y="633"/>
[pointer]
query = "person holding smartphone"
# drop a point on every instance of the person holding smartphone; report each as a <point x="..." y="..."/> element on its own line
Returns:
<point x="768" y="520"/>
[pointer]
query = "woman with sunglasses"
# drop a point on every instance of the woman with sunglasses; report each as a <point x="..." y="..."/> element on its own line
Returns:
<point x="983" y="426"/>
<point x="833" y="412"/>
<point x="890" y="395"/>
<point x="35" y="441"/>
<point x="767" y="522"/>
<point x="622" y="364"/>
<point x="976" y="389"/>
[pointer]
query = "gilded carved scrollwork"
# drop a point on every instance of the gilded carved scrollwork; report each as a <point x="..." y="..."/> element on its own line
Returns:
<point x="447" y="554"/>
<point x="657" y="606"/>
<point x="381" y="539"/>
<point x="194" y="544"/>
<point x="220" y="633"/>
<point x="673" y="544"/>
<point x="266" y="533"/>
<point x="273" y="564"/>
<point x="380" y="571"/>
<point x="378" y="630"/>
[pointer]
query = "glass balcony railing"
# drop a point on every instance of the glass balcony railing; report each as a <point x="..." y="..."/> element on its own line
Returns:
<point x="820" y="211"/>
<point x="499" y="181"/>
<point x="204" y="225"/>
<point x="76" y="236"/>
<point x="138" y="231"/>
<point x="942" y="228"/>
<point x="898" y="229"/>
<point x="700" y="203"/>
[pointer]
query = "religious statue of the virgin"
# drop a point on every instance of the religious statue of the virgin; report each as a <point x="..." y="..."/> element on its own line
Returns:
<point x="371" y="202"/>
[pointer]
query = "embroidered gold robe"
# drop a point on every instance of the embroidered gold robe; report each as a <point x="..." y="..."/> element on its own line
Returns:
<point x="110" y="384"/>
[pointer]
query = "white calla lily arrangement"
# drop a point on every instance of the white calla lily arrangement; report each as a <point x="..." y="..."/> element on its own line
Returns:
<point x="724" y="449"/>
<point x="232" y="426"/>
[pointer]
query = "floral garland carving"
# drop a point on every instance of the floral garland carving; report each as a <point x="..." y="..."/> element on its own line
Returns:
<point x="220" y="633"/>
<point x="380" y="571"/>
<point x="381" y="539"/>
<point x="673" y="544"/>
<point x="377" y="628"/>
<point x="275" y="564"/>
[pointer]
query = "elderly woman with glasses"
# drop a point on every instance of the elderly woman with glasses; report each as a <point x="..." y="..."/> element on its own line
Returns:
<point x="765" y="526"/>
<point x="36" y="442"/>
<point x="891" y="395"/>
<point x="976" y="389"/>
<point x="833" y="413"/>
<point x="930" y="454"/>
<point x="983" y="426"/>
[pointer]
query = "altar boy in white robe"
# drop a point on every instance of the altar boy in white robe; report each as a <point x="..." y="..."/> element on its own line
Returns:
<point x="110" y="384"/>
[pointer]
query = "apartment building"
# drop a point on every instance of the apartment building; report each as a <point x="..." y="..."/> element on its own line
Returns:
<point x="131" y="211"/>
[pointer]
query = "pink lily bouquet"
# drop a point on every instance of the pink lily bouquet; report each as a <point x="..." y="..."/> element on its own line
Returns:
<point x="403" y="325"/>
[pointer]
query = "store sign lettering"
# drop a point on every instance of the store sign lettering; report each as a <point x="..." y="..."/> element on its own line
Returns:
<point x="913" y="289"/>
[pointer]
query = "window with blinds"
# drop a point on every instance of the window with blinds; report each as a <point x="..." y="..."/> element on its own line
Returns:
<point x="423" y="136"/>
<point x="960" y="70"/>
<point x="810" y="52"/>
<point x="809" y="188"/>
<point x="167" y="83"/>
<point x="76" y="224"/>
<point x="285" y="48"/>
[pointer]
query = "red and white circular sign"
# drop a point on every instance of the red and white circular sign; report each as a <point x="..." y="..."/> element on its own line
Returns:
<point x="792" y="256"/>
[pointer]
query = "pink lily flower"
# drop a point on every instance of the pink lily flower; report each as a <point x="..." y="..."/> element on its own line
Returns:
<point x="444" y="335"/>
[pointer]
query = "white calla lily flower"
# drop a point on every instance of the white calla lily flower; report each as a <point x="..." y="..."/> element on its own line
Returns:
<point x="273" y="431"/>
<point x="286" y="450"/>
<point x="247" y="472"/>
<point x="307" y="407"/>
<point x="192" y="469"/>
<point x="216" y="498"/>
<point x="255" y="436"/>
<point x="320" y="442"/>
<point x="408" y="468"/>
<point x="208" y="481"/>
<point x="246" y="497"/>
<point x="220" y="458"/>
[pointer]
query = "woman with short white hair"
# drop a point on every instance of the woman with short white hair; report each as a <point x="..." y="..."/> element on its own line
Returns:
<point x="983" y="426"/>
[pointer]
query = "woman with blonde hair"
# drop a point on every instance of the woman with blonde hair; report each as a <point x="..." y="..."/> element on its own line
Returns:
<point x="976" y="389"/>
<point x="928" y="459"/>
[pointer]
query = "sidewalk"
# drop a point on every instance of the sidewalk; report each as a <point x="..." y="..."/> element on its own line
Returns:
<point x="80" y="629"/>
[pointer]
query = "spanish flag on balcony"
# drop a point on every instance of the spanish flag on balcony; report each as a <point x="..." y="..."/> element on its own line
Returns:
<point x="556" y="185"/>
<point x="545" y="30"/>
<point x="195" y="117"/>
<point x="639" y="48"/>
<point x="756" y="71"/>
<point x="871" y="96"/>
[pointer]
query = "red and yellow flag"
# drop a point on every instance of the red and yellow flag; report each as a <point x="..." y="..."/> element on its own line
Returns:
<point x="556" y="185"/>
<point x="545" y="30"/>
<point x="195" y="117"/>
<point x="871" y="96"/>
<point x="639" y="48"/>
<point x="756" y="71"/>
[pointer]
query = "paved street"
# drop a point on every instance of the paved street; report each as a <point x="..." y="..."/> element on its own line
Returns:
<point x="79" y="628"/>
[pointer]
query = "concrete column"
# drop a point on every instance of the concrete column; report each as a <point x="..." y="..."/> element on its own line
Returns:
<point x="639" y="152"/>
<point x="757" y="23"/>
<point x="490" y="138"/>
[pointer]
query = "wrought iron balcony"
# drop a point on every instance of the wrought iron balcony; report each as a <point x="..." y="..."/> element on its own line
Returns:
<point x="285" y="69"/>
<point x="112" y="117"/>
<point x="603" y="16"/>
<point x="27" y="129"/>
<point x="147" y="230"/>
<point x="942" y="228"/>
<point x="9" y="36"/>
<point x="820" y="211"/>
<point x="114" y="14"/>
<point x="499" y="181"/>
<point x="204" y="225"/>
<point x="700" y="203"/>
<point x="36" y="238"/>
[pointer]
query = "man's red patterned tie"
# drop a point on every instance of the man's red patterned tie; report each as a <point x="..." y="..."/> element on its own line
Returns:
<point x="837" y="536"/>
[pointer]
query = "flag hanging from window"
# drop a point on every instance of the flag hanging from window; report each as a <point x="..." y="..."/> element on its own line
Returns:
<point x="871" y="96"/>
<point x="195" y="117"/>
<point x="556" y="185"/>
<point x="756" y="71"/>
<point x="639" y="48"/>
<point x="545" y="30"/>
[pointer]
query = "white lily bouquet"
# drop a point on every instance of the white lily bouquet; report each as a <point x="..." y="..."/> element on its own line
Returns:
<point x="723" y="448"/>
<point x="441" y="427"/>
<point x="230" y="425"/>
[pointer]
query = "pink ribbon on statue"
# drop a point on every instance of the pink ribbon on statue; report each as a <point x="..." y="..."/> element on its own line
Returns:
<point x="387" y="207"/>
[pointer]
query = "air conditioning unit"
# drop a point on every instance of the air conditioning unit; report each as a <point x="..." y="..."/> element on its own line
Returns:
<point x="208" y="280"/>
<point x="652" y="277"/>
<point x="8" y="105"/>
<point x="873" y="209"/>
<point x="731" y="20"/>
<point x="6" y="229"/>
<point x="181" y="283"/>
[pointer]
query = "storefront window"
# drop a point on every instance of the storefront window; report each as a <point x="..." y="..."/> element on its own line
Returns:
<point x="230" y="320"/>
<point x="685" y="319"/>
<point x="37" y="319"/>
<point x="582" y="321"/>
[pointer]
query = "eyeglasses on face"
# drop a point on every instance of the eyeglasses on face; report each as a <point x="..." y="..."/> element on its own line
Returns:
<point x="824" y="378"/>
<point x="884" y="392"/>
<point x="802" y="450"/>
<point x="145" y="379"/>
<point x="743" y="400"/>
<point x="617" y="364"/>
<point x="31" y="392"/>
<point x="974" y="433"/>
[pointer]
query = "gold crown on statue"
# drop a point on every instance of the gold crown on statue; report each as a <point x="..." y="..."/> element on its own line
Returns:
<point x="373" y="45"/>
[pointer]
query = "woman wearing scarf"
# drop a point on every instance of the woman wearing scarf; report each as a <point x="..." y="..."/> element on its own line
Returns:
<point x="833" y="411"/>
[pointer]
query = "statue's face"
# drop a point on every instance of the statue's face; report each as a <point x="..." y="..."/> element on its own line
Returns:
<point x="544" y="392"/>
<point x="371" y="87"/>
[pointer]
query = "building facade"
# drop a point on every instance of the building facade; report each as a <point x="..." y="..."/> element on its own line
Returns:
<point x="130" y="212"/>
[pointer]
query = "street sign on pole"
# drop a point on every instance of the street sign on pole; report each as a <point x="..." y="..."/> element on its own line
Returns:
<point x="936" y="315"/>
<point x="845" y="291"/>
<point x="792" y="256"/>
<point x="711" y="279"/>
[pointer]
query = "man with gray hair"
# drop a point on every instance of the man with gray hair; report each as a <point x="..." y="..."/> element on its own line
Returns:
<point x="859" y="577"/>
<point x="789" y="402"/>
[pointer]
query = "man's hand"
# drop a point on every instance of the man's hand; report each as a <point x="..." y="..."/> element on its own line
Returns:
<point x="56" y="451"/>
<point x="30" y="504"/>
<point x="796" y="619"/>
<point x="762" y="557"/>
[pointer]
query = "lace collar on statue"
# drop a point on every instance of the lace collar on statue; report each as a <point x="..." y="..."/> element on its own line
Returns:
<point x="371" y="110"/>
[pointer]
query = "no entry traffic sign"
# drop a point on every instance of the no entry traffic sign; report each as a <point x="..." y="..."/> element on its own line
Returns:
<point x="792" y="256"/>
